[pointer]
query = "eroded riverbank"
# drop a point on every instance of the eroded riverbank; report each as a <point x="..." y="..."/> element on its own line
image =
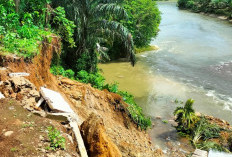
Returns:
<point x="194" y="61"/>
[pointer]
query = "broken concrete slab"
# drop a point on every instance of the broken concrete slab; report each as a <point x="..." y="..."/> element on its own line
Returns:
<point x="218" y="154"/>
<point x="1" y="96"/>
<point x="18" y="74"/>
<point x="55" y="101"/>
<point x="41" y="100"/>
<point x="200" y="153"/>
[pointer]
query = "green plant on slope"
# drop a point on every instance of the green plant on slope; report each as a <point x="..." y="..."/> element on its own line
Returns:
<point x="204" y="130"/>
<point x="95" y="27"/>
<point x="56" y="140"/>
<point x="185" y="117"/>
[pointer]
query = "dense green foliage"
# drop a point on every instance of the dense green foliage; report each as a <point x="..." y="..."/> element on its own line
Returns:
<point x="144" y="19"/>
<point x="95" y="30"/>
<point x="22" y="27"/>
<point x="143" y="22"/>
<point x="97" y="80"/>
<point x="219" y="7"/>
<point x="200" y="130"/>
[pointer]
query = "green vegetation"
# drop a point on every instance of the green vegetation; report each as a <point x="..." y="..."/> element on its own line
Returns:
<point x="219" y="7"/>
<point x="204" y="134"/>
<point x="13" y="149"/>
<point x="96" y="29"/>
<point x="185" y="117"/>
<point x="165" y="121"/>
<point x="56" y="140"/>
<point x="143" y="22"/>
<point x="22" y="27"/>
<point x="146" y="48"/>
<point x="144" y="19"/>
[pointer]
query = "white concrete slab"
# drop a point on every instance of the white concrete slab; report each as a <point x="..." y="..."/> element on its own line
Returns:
<point x="55" y="101"/>
<point x="213" y="153"/>
<point x="200" y="153"/>
<point x="18" y="74"/>
<point x="1" y="96"/>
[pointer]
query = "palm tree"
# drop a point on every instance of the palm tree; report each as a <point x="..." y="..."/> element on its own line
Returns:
<point x="97" y="25"/>
<point x="185" y="116"/>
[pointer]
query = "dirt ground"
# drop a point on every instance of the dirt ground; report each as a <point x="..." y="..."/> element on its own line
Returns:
<point x="23" y="134"/>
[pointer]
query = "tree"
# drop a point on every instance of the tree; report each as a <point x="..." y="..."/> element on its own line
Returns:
<point x="144" y="20"/>
<point x="185" y="117"/>
<point x="95" y="27"/>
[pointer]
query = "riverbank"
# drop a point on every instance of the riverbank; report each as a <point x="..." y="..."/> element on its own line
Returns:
<point x="219" y="9"/>
<point x="146" y="49"/>
<point x="113" y="125"/>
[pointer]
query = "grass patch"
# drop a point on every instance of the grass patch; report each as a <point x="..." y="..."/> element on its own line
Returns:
<point x="144" y="49"/>
<point x="13" y="149"/>
<point x="56" y="140"/>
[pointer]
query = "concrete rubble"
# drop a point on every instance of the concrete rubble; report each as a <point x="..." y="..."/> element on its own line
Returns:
<point x="18" y="74"/>
<point x="200" y="153"/>
<point x="57" y="103"/>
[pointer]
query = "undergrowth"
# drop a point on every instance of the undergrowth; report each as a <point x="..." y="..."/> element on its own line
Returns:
<point x="203" y="134"/>
<point x="22" y="33"/>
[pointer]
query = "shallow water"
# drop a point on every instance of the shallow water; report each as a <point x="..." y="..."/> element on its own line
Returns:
<point x="194" y="61"/>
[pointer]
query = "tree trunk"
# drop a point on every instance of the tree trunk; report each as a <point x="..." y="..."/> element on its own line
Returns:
<point x="17" y="3"/>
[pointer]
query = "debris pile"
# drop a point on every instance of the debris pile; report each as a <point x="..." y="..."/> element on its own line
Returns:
<point x="21" y="89"/>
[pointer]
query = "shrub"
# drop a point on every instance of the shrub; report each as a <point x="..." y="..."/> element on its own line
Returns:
<point x="56" y="140"/>
<point x="59" y="70"/>
<point x="185" y="117"/>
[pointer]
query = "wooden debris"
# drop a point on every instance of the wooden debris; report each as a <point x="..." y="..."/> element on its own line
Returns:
<point x="18" y="74"/>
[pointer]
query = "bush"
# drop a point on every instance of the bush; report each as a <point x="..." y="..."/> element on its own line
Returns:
<point x="22" y="32"/>
<point x="59" y="70"/>
<point x="95" y="79"/>
<point x="56" y="140"/>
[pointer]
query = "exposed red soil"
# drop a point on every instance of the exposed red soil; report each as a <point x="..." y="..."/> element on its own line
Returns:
<point x="38" y="67"/>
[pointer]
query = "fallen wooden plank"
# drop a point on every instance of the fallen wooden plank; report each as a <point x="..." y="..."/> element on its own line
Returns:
<point x="55" y="101"/>
<point x="1" y="96"/>
<point x="18" y="74"/>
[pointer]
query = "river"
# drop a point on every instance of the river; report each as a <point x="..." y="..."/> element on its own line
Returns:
<point x="194" y="61"/>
